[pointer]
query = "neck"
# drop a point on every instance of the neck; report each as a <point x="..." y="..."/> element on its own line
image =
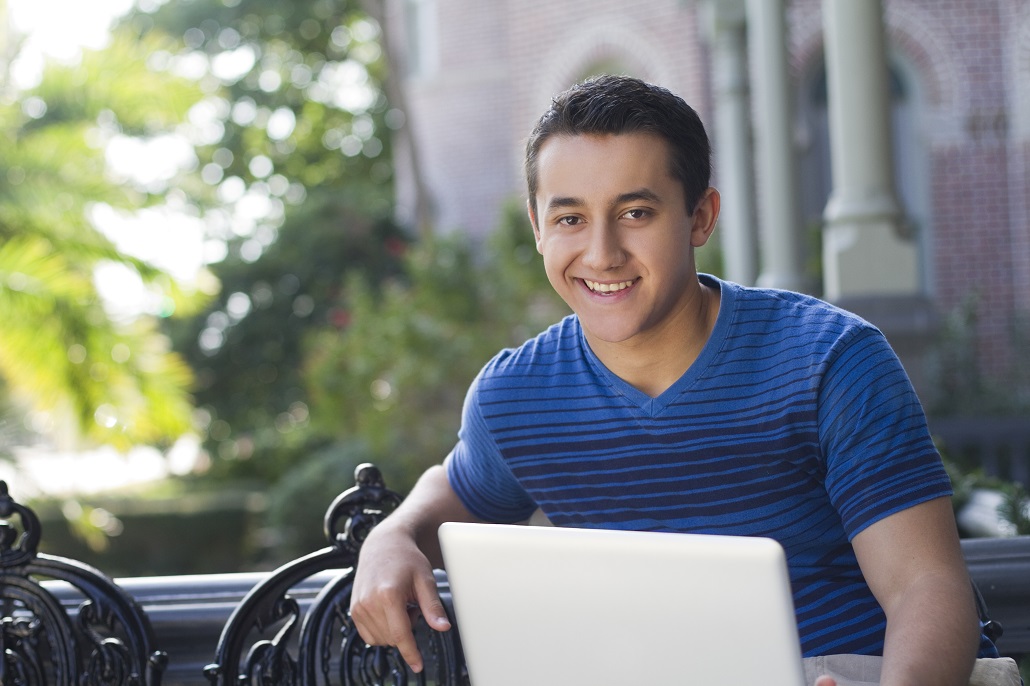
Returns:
<point x="654" y="361"/>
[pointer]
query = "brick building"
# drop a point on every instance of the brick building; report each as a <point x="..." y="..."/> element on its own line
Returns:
<point x="475" y="74"/>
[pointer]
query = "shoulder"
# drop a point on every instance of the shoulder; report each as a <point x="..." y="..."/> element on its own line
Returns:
<point x="538" y="378"/>
<point x="772" y="304"/>
<point x="552" y="353"/>
<point x="772" y="316"/>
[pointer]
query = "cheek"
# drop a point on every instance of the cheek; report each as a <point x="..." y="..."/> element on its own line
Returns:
<point x="556" y="265"/>
<point x="671" y="257"/>
<point x="671" y="247"/>
<point x="554" y="269"/>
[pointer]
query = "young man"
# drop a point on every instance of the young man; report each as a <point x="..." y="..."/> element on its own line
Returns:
<point x="676" y="402"/>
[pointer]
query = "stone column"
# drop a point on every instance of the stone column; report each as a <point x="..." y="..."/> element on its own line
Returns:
<point x="865" y="251"/>
<point x="727" y="34"/>
<point x="781" y="230"/>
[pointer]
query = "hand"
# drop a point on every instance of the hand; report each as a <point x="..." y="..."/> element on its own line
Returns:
<point x="825" y="681"/>
<point x="394" y="582"/>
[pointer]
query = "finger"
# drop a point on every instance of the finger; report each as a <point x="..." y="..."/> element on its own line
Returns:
<point x="400" y="635"/>
<point x="428" y="598"/>
<point x="825" y="681"/>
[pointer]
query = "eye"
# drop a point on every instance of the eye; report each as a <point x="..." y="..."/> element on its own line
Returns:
<point x="570" y="220"/>
<point x="636" y="213"/>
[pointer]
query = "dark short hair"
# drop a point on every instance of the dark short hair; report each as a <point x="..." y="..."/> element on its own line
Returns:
<point x="622" y="104"/>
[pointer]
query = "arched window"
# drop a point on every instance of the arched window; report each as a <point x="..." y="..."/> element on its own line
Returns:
<point x="610" y="65"/>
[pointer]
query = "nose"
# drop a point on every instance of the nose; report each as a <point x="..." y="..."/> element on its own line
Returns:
<point x="603" y="250"/>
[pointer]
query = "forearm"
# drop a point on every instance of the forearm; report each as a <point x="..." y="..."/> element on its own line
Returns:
<point x="932" y="633"/>
<point x="430" y="503"/>
<point x="395" y="567"/>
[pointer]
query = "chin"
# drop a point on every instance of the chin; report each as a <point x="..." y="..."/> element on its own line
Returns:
<point x="609" y="333"/>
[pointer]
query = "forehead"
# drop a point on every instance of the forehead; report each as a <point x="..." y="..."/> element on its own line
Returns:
<point x="593" y="166"/>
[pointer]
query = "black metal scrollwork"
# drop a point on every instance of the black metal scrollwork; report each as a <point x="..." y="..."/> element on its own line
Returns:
<point x="327" y="646"/>
<point x="105" y="641"/>
<point x="364" y="664"/>
<point x="360" y="508"/>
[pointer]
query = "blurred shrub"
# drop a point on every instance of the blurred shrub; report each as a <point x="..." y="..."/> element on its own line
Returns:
<point x="297" y="504"/>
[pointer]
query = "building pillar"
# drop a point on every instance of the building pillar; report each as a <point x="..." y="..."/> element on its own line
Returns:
<point x="781" y="231"/>
<point x="727" y="34"/>
<point x="865" y="251"/>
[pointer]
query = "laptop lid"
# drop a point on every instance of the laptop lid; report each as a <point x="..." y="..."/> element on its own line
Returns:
<point x="548" y="605"/>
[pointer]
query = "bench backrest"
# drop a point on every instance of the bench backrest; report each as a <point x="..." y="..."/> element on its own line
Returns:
<point x="271" y="638"/>
<point x="103" y="638"/>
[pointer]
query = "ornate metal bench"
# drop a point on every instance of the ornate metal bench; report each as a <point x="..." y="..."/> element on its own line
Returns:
<point x="89" y="632"/>
<point x="271" y="639"/>
<point x="63" y="622"/>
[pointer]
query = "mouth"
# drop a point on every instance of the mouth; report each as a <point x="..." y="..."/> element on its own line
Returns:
<point x="607" y="288"/>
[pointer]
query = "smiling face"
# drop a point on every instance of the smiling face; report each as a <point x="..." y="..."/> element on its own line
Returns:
<point x="617" y="238"/>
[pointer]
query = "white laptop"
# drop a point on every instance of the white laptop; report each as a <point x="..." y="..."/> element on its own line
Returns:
<point x="572" y="607"/>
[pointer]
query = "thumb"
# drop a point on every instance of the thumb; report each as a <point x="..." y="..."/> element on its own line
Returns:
<point x="825" y="681"/>
<point x="428" y="599"/>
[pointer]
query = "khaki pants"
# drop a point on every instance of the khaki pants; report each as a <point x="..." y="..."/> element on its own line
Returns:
<point x="864" y="670"/>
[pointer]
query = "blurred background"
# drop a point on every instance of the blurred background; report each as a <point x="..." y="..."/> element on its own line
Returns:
<point x="246" y="245"/>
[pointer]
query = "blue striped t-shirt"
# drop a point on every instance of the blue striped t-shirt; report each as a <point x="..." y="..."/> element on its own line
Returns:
<point x="796" y="422"/>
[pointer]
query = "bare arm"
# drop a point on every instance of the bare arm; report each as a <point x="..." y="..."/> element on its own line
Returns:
<point x="395" y="567"/>
<point x="913" y="563"/>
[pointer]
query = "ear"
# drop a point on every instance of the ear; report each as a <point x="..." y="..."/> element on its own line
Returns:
<point x="706" y="213"/>
<point x="536" y="227"/>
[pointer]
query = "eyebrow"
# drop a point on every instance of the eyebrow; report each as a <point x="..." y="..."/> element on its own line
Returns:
<point x="645" y="194"/>
<point x="562" y="202"/>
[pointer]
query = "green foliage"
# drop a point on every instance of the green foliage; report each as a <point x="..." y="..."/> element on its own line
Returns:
<point x="246" y="349"/>
<point x="294" y="176"/>
<point x="1015" y="507"/>
<point x="61" y="353"/>
<point x="115" y="82"/>
<point x="298" y="503"/>
<point x="958" y="385"/>
<point x="294" y="93"/>
<point x="397" y="376"/>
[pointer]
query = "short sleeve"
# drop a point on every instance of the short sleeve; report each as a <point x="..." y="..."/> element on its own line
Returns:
<point x="477" y="471"/>
<point x="880" y="458"/>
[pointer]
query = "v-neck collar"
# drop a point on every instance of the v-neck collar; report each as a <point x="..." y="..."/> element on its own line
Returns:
<point x="653" y="407"/>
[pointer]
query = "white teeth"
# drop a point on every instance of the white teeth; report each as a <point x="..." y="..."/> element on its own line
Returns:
<point x="607" y="287"/>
